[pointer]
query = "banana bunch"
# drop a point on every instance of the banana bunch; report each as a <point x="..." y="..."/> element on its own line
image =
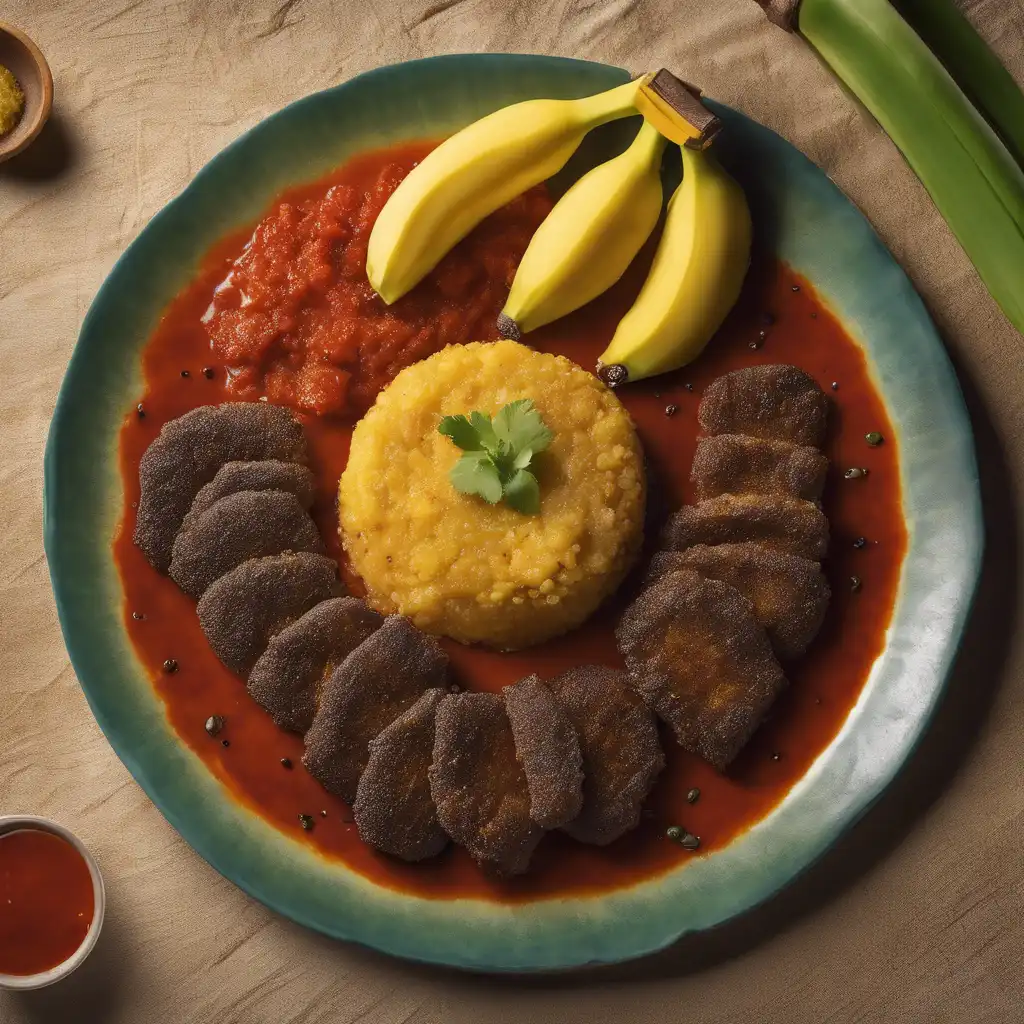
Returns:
<point x="595" y="230"/>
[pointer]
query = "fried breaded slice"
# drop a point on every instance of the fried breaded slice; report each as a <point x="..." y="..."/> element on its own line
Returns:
<point x="187" y="454"/>
<point x="777" y="403"/>
<point x="394" y="810"/>
<point x="702" y="661"/>
<point x="622" y="754"/>
<point x="548" y="750"/>
<point x="383" y="677"/>
<point x="266" y="475"/>
<point x="290" y="673"/>
<point x="478" y="784"/>
<point x="737" y="464"/>
<point x="242" y="610"/>
<point x="776" y="522"/>
<point x="790" y="594"/>
<point x="244" y="525"/>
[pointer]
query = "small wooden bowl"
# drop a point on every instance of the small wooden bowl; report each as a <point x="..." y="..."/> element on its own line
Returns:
<point x="25" y="61"/>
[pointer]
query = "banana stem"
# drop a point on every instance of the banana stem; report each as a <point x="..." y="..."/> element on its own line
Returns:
<point x="608" y="106"/>
<point x="969" y="173"/>
<point x="956" y="42"/>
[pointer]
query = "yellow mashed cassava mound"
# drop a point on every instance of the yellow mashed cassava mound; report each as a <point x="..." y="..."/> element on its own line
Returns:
<point x="460" y="567"/>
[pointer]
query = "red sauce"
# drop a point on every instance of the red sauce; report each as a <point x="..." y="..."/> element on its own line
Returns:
<point x="296" y="319"/>
<point x="824" y="684"/>
<point x="46" y="901"/>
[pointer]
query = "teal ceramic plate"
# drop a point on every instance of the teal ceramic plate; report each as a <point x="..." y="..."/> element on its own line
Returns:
<point x="816" y="229"/>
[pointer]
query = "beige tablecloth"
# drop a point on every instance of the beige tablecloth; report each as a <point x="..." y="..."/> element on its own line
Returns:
<point x="916" y="917"/>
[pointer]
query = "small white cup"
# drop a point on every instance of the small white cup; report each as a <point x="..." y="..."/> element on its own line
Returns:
<point x="21" y="822"/>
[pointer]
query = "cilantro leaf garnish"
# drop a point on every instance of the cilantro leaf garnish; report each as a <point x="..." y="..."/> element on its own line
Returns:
<point x="475" y="473"/>
<point x="520" y="426"/>
<point x="461" y="431"/>
<point x="498" y="453"/>
<point x="523" y="493"/>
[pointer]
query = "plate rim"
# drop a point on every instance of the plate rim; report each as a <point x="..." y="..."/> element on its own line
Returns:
<point x="184" y="825"/>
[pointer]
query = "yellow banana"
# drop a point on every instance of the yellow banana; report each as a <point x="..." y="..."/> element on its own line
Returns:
<point x="586" y="242"/>
<point x="695" y="278"/>
<point x="472" y="174"/>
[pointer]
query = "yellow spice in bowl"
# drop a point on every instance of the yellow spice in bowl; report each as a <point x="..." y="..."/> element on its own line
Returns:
<point x="12" y="101"/>
<point x="460" y="567"/>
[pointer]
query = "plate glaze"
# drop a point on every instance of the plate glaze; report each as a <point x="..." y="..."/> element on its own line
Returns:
<point x="812" y="226"/>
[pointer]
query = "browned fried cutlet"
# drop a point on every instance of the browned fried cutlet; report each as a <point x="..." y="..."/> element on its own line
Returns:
<point x="242" y="610"/>
<point x="548" y="750"/>
<point x="394" y="809"/>
<point x="622" y="754"/>
<point x="383" y="677"/>
<point x="266" y="475"/>
<point x="479" y="787"/>
<point x="790" y="594"/>
<point x="776" y="402"/>
<point x="702" y="661"/>
<point x="290" y="673"/>
<point x="244" y="525"/>
<point x="187" y="454"/>
<point x="774" y="521"/>
<point x="737" y="464"/>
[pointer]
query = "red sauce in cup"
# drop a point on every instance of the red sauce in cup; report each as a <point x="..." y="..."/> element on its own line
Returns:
<point x="46" y="901"/>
